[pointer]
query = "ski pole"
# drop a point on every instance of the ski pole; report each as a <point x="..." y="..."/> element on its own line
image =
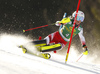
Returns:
<point x="37" y="27"/>
<point x="72" y="31"/>
<point x="79" y="57"/>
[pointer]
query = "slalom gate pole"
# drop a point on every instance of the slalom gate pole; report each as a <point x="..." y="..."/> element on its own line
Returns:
<point x="37" y="27"/>
<point x="72" y="31"/>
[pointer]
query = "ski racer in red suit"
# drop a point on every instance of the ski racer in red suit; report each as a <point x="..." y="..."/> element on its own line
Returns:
<point x="62" y="37"/>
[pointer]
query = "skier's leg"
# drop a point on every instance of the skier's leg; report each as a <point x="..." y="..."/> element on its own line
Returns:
<point x="54" y="38"/>
<point x="45" y="41"/>
<point x="51" y="38"/>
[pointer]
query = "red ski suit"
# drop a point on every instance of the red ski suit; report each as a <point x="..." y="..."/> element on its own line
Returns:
<point x="55" y="38"/>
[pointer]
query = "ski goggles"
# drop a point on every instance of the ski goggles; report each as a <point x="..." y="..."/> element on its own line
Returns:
<point x="80" y="18"/>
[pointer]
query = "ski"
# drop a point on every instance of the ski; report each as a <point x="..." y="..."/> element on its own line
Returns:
<point x="42" y="55"/>
<point x="23" y="49"/>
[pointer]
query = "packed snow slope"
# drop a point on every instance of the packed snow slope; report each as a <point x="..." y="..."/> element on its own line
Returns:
<point x="13" y="61"/>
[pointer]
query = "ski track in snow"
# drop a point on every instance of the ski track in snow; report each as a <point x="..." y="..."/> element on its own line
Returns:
<point x="13" y="61"/>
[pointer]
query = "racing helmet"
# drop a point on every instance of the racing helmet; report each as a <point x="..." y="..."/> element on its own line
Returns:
<point x="80" y="16"/>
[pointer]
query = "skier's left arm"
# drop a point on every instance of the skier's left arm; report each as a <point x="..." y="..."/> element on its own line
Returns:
<point x="82" y="38"/>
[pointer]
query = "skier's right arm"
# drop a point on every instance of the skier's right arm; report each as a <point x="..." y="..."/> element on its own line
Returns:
<point x="63" y="21"/>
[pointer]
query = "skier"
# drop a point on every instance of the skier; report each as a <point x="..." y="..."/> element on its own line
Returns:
<point x="62" y="37"/>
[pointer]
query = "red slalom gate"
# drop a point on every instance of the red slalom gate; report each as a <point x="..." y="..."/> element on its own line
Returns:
<point x="72" y="31"/>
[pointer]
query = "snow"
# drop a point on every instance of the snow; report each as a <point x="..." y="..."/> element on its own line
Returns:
<point x="13" y="61"/>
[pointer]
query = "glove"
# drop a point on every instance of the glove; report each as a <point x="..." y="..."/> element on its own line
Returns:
<point x="57" y="23"/>
<point x="85" y="52"/>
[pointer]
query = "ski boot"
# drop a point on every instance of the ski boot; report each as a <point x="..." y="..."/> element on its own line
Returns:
<point x="49" y="48"/>
<point x="23" y="48"/>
